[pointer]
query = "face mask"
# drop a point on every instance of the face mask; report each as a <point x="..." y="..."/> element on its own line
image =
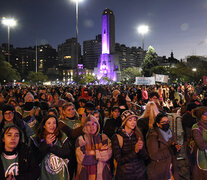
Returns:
<point x="165" y="127"/>
<point x="28" y="106"/>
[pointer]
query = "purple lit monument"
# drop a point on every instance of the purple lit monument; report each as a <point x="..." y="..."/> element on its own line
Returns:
<point x="105" y="64"/>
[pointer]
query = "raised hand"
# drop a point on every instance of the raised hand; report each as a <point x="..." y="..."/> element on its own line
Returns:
<point x="138" y="145"/>
<point x="50" y="138"/>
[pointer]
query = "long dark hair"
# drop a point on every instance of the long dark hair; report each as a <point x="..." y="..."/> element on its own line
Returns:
<point x="7" y="129"/>
<point x="41" y="129"/>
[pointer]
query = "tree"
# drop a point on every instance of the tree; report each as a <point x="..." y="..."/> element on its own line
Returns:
<point x="106" y="80"/>
<point x="130" y="74"/>
<point x="149" y="62"/>
<point x="7" y="72"/>
<point x="160" y="70"/>
<point x="183" y="72"/>
<point x="89" y="78"/>
<point x="198" y="63"/>
<point x="37" y="77"/>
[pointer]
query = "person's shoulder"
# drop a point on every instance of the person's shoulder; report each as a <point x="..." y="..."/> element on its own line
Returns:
<point x="152" y="132"/>
<point x="81" y="138"/>
<point x="61" y="122"/>
<point x="64" y="137"/>
<point x="80" y="141"/>
<point x="104" y="136"/>
<point x="108" y="120"/>
<point x="195" y="126"/>
<point x="24" y="149"/>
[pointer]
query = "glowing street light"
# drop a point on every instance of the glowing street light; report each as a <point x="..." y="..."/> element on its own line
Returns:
<point x="194" y="73"/>
<point x="77" y="1"/>
<point x="143" y="29"/>
<point x="76" y="5"/>
<point x="9" y="22"/>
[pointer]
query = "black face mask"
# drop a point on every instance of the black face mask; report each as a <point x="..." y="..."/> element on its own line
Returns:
<point x="165" y="127"/>
<point x="28" y="106"/>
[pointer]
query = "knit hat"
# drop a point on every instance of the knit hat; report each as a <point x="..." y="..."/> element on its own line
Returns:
<point x="91" y="118"/>
<point x="126" y="115"/>
<point x="28" y="95"/>
<point x="7" y="107"/>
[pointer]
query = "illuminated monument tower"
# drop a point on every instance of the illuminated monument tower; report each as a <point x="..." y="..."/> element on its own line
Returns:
<point x="106" y="67"/>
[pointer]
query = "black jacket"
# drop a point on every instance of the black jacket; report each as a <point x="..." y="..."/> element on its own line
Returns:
<point x="28" y="168"/>
<point x="41" y="149"/>
<point x="130" y="165"/>
<point x="111" y="126"/>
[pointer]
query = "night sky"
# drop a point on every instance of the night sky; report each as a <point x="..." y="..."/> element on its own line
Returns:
<point x="175" y="25"/>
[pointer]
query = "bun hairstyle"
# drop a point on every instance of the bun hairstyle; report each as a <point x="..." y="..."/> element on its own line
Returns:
<point x="159" y="118"/>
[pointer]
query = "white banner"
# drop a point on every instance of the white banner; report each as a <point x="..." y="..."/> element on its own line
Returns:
<point x="161" y="78"/>
<point x="145" y="81"/>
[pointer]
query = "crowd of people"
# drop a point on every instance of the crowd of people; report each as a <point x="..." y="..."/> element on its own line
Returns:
<point x="101" y="132"/>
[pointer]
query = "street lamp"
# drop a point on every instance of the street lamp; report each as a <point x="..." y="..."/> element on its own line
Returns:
<point x="76" y="10"/>
<point x="143" y="29"/>
<point x="194" y="72"/>
<point x="9" y="22"/>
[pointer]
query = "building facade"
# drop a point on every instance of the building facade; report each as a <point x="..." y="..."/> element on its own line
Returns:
<point x="91" y="52"/>
<point x="129" y="56"/>
<point x="67" y="53"/>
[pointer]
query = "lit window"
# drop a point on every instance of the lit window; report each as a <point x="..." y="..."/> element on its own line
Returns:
<point x="67" y="57"/>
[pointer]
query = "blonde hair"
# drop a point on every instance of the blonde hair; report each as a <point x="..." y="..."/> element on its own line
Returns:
<point x="150" y="112"/>
<point x="64" y="107"/>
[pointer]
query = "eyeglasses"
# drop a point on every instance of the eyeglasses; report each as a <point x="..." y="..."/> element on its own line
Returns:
<point x="9" y="113"/>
